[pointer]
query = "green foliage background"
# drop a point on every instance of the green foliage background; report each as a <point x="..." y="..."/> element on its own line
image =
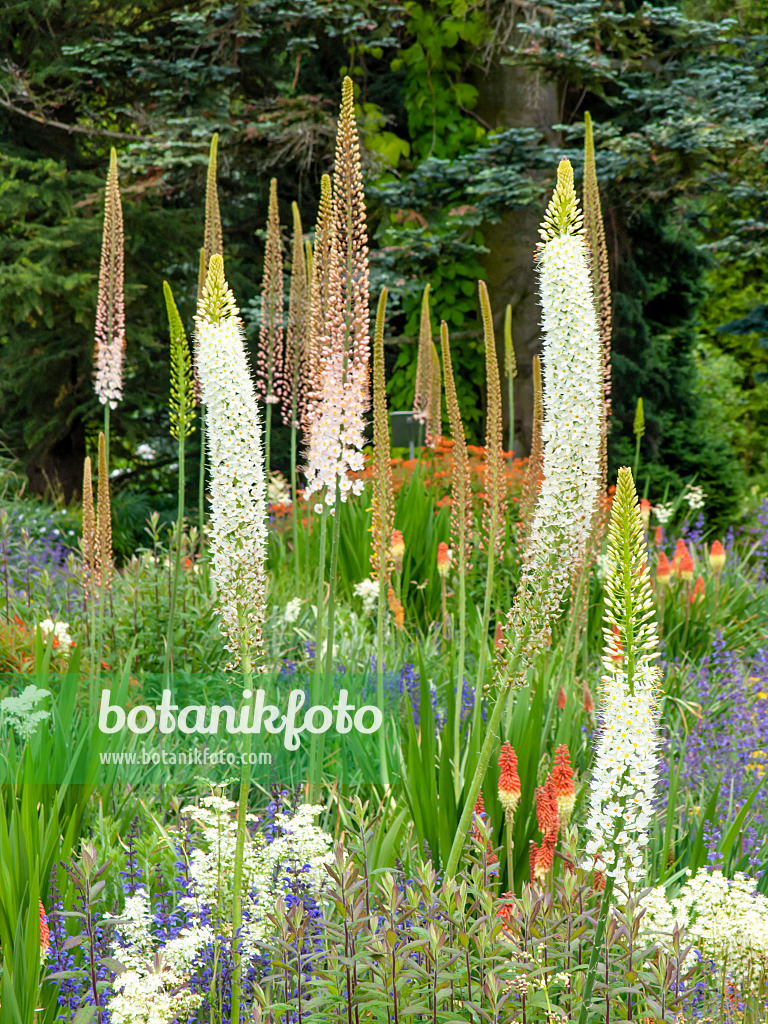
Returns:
<point x="678" y="93"/>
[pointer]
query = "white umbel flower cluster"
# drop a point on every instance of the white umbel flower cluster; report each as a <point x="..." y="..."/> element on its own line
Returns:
<point x="571" y="432"/>
<point x="624" y="772"/>
<point x="152" y="988"/>
<point x="724" y="919"/>
<point x="237" y="490"/>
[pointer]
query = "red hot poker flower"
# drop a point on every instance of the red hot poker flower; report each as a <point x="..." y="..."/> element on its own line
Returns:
<point x="561" y="699"/>
<point x="565" y="792"/>
<point x="717" y="557"/>
<point x="45" y="940"/>
<point x="509" y="780"/>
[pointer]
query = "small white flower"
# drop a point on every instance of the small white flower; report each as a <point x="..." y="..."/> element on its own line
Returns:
<point x="368" y="591"/>
<point x="145" y="452"/>
<point x="292" y="609"/>
<point x="663" y="513"/>
<point x="694" y="496"/>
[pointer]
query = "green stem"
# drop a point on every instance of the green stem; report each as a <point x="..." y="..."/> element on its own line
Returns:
<point x="242" y="810"/>
<point x="267" y="440"/>
<point x="489" y="576"/>
<point x="380" y="655"/>
<point x="491" y="738"/>
<point x="331" y="619"/>
<point x="462" y="648"/>
<point x="106" y="435"/>
<point x="314" y="773"/>
<point x="637" y="457"/>
<point x="168" y="662"/>
<point x="592" y="968"/>
<point x="295" y="506"/>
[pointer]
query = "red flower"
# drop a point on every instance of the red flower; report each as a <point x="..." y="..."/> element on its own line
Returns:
<point x="698" y="590"/>
<point x="685" y="568"/>
<point x="509" y="780"/>
<point x="565" y="792"/>
<point x="717" y="557"/>
<point x="443" y="558"/>
<point x="663" y="570"/>
<point x="561" y="699"/>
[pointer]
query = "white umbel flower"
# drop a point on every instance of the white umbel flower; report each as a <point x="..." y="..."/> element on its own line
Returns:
<point x="624" y="773"/>
<point x="571" y="432"/>
<point x="238" y="489"/>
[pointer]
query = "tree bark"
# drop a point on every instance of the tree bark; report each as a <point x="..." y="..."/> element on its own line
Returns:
<point x="511" y="97"/>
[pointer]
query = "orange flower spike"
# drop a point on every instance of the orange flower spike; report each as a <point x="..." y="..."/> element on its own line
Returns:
<point x="717" y="557"/>
<point x="680" y="550"/>
<point x="532" y="856"/>
<point x="685" y="569"/>
<point x="480" y="804"/>
<point x="565" y="792"/>
<point x="645" y="512"/>
<point x="663" y="570"/>
<point x="658" y="537"/>
<point x="397" y="550"/>
<point x="698" y="591"/>
<point x="561" y="699"/>
<point x="546" y="810"/>
<point x="443" y="558"/>
<point x="589" y="704"/>
<point x="509" y="780"/>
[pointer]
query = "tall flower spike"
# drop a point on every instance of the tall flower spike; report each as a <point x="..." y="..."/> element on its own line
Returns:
<point x="383" y="518"/>
<point x="533" y="469"/>
<point x="88" y="542"/>
<point x="435" y="407"/>
<point x="319" y="278"/>
<point x="110" y="306"/>
<point x="103" y="533"/>
<point x="461" y="509"/>
<point x="269" y="365"/>
<point x="336" y="438"/>
<point x="237" y="487"/>
<point x="510" y="372"/>
<point x="351" y="236"/>
<point x="493" y="510"/>
<point x="595" y="235"/>
<point x="423" y="389"/>
<point x="181" y="398"/>
<point x="624" y="772"/>
<point x="292" y="383"/>
<point x="213" y="237"/>
<point x="565" y="507"/>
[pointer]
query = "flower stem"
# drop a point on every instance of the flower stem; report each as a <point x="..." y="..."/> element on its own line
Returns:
<point x="242" y="810"/>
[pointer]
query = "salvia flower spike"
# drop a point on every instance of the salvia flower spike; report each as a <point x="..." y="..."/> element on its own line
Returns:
<point x="237" y="487"/>
<point x="110" y="307"/>
<point x="624" y="773"/>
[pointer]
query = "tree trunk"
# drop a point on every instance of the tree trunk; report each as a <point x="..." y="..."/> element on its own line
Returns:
<point x="511" y="97"/>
